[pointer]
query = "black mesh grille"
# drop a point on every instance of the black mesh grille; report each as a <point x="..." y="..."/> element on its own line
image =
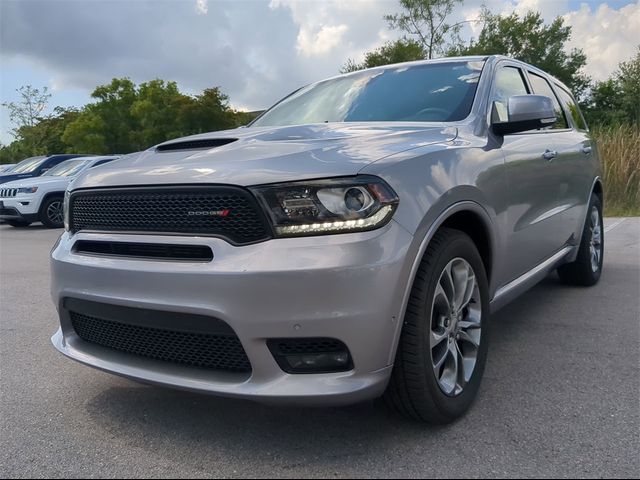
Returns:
<point x="228" y="212"/>
<point x="145" y="250"/>
<point x="204" y="350"/>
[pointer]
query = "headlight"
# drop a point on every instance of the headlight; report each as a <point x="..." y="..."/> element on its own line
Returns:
<point x="65" y="210"/>
<point x="328" y="206"/>
<point x="28" y="190"/>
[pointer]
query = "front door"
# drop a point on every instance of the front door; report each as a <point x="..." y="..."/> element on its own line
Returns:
<point x="534" y="226"/>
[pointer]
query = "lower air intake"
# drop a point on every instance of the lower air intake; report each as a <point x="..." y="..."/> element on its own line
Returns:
<point x="193" y="349"/>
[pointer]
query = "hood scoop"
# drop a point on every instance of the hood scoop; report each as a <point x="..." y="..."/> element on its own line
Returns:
<point x="203" y="144"/>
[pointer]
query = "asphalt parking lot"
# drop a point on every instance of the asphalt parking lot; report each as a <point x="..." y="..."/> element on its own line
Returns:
<point x="560" y="398"/>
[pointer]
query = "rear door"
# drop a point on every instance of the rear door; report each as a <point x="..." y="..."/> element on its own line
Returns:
<point x="577" y="164"/>
<point x="534" y="230"/>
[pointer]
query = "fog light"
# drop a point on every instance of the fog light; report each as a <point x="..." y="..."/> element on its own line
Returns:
<point x="324" y="361"/>
<point x="311" y="355"/>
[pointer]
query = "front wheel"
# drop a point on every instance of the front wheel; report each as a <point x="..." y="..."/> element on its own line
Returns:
<point x="443" y="345"/>
<point x="51" y="212"/>
<point x="587" y="267"/>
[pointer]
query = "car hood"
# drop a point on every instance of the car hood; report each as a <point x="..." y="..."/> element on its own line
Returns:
<point x="9" y="178"/>
<point x="45" y="182"/>
<point x="268" y="154"/>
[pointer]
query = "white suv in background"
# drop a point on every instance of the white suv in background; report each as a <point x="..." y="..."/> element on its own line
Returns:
<point x="39" y="199"/>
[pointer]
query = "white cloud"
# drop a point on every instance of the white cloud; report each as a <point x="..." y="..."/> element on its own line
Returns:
<point x="322" y="41"/>
<point x="549" y="9"/>
<point x="257" y="51"/>
<point x="607" y="36"/>
<point x="470" y="12"/>
<point x="202" y="7"/>
<point x="338" y="27"/>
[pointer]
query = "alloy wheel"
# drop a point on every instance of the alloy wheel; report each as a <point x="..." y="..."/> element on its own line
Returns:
<point x="55" y="213"/>
<point x="595" y="246"/>
<point x="456" y="326"/>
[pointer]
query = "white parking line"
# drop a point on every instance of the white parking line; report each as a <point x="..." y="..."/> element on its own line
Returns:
<point x="614" y="225"/>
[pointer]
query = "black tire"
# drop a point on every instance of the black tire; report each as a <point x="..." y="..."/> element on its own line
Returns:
<point x="581" y="272"/>
<point x="18" y="223"/>
<point x="413" y="390"/>
<point x="45" y="212"/>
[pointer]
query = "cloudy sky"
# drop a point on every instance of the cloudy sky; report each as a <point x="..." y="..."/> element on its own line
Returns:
<point x="256" y="50"/>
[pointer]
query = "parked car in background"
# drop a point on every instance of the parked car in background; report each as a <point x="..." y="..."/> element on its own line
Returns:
<point x="350" y="243"/>
<point x="36" y="166"/>
<point x="6" y="167"/>
<point x="40" y="199"/>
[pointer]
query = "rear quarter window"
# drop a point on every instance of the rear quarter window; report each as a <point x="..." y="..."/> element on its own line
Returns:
<point x="572" y="107"/>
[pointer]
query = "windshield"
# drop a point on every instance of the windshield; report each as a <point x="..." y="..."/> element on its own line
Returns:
<point x="436" y="92"/>
<point x="67" y="168"/>
<point x="28" y="165"/>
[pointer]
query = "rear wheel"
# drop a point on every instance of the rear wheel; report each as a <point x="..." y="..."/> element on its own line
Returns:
<point x="18" y="223"/>
<point x="587" y="268"/>
<point x="51" y="213"/>
<point x="443" y="345"/>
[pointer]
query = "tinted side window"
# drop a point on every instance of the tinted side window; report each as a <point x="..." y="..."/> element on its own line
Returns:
<point x="572" y="107"/>
<point x="541" y="87"/>
<point x="52" y="162"/>
<point x="508" y="82"/>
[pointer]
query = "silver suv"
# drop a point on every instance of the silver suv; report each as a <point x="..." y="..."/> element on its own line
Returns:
<point x="350" y="243"/>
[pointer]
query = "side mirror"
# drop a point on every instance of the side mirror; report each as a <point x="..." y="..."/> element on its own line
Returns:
<point x="524" y="112"/>
<point x="44" y="170"/>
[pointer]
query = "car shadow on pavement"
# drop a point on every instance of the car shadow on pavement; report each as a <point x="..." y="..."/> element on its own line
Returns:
<point x="35" y="226"/>
<point x="187" y="426"/>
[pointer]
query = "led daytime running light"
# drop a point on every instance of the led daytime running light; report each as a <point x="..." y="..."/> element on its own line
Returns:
<point x="337" y="226"/>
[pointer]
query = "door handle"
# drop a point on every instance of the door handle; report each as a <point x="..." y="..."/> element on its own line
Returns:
<point x="549" y="155"/>
<point x="587" y="150"/>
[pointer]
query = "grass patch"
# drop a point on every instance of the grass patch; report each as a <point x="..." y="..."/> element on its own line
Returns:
<point x="619" y="148"/>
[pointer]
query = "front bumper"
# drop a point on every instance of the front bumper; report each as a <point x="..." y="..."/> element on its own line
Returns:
<point x="19" y="208"/>
<point x="347" y="287"/>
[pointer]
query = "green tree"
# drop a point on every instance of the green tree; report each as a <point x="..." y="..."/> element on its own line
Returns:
<point x="113" y="106"/>
<point x="209" y="112"/>
<point x="126" y="118"/>
<point x="25" y="114"/>
<point x="107" y="123"/>
<point x="426" y="22"/>
<point x="28" y="111"/>
<point x="122" y="118"/>
<point x="46" y="135"/>
<point x="628" y="77"/>
<point x="157" y="110"/>
<point x="527" y="38"/>
<point x="617" y="99"/>
<point x="35" y="133"/>
<point x="14" y="152"/>
<point x="87" y="134"/>
<point x="402" y="50"/>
